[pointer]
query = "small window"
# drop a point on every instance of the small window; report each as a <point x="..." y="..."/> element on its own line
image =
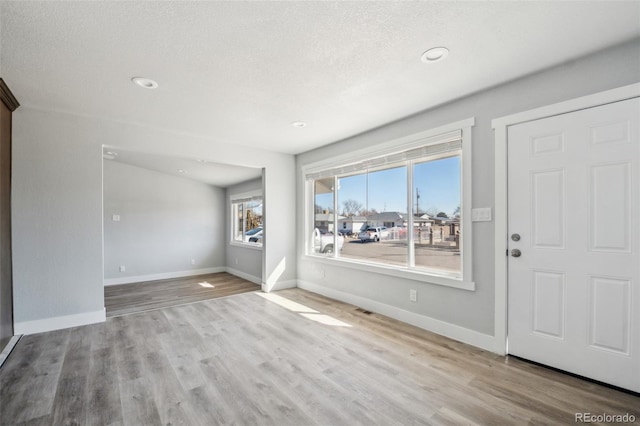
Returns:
<point x="247" y="222"/>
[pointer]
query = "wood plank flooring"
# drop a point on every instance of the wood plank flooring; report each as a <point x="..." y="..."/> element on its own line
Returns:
<point x="148" y="295"/>
<point x="286" y="358"/>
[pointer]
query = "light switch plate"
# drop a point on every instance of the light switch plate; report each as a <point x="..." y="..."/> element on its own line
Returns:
<point x="481" y="214"/>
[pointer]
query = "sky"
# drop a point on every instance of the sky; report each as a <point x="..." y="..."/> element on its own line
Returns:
<point x="437" y="182"/>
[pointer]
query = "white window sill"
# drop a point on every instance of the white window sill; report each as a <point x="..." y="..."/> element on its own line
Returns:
<point x="252" y="246"/>
<point x="395" y="271"/>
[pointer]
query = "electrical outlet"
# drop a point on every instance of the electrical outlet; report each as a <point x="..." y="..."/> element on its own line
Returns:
<point x="193" y="261"/>
<point x="115" y="218"/>
<point x="122" y="268"/>
<point x="413" y="295"/>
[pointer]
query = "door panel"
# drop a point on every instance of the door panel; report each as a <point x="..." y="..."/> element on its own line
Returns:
<point x="609" y="314"/>
<point x="573" y="197"/>
<point x="548" y="303"/>
<point x="610" y="185"/>
<point x="547" y="198"/>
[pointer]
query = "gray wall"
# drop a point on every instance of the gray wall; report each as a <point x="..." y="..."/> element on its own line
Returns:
<point x="472" y="310"/>
<point x="57" y="207"/>
<point x="242" y="261"/>
<point x="57" y="218"/>
<point x="165" y="222"/>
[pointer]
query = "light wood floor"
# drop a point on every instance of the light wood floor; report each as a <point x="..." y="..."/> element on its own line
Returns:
<point x="248" y="360"/>
<point x="144" y="296"/>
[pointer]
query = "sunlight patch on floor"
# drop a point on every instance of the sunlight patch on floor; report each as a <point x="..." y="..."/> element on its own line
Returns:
<point x="206" y="284"/>
<point x="286" y="303"/>
<point x="303" y="310"/>
<point x="325" y="319"/>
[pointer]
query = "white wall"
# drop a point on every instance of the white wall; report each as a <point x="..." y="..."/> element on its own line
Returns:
<point x="462" y="314"/>
<point x="165" y="222"/>
<point x="57" y="209"/>
<point x="245" y="262"/>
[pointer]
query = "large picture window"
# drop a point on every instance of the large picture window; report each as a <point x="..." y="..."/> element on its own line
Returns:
<point x="401" y="207"/>
<point x="246" y="219"/>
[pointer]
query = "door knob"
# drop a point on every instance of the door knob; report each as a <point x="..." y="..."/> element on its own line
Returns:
<point x="515" y="237"/>
<point x="516" y="253"/>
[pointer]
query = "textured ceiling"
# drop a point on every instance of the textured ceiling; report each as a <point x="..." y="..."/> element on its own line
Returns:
<point x="221" y="175"/>
<point x="241" y="72"/>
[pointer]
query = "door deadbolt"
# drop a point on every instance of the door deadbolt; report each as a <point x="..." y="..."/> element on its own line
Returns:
<point x="515" y="237"/>
<point x="516" y="253"/>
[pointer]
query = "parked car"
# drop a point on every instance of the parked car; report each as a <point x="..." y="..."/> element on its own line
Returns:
<point x="256" y="238"/>
<point x="252" y="233"/>
<point x="373" y="233"/>
<point x="323" y="242"/>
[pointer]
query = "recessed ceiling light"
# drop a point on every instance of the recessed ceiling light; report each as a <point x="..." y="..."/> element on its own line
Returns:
<point x="299" y="124"/>
<point x="111" y="153"/>
<point x="434" y="55"/>
<point x="146" y="83"/>
<point x="201" y="161"/>
<point x="181" y="171"/>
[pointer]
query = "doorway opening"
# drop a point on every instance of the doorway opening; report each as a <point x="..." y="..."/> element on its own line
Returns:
<point x="167" y="231"/>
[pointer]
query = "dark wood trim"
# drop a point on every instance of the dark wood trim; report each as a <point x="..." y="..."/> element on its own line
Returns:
<point x="6" y="280"/>
<point x="7" y="97"/>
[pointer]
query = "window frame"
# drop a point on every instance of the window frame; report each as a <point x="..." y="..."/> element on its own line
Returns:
<point x="243" y="198"/>
<point x="461" y="130"/>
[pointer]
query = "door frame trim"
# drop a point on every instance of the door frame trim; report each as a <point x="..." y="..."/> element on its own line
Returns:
<point x="500" y="127"/>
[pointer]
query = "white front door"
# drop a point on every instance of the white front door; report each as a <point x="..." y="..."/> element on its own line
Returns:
<point x="574" y="202"/>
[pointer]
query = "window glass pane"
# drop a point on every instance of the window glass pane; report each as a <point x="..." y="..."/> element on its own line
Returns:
<point x="253" y="215"/>
<point x="352" y="202"/>
<point x="436" y="192"/>
<point x="373" y="207"/>
<point x="247" y="222"/>
<point x="238" y="228"/>
<point x="253" y="222"/>
<point x="323" y="222"/>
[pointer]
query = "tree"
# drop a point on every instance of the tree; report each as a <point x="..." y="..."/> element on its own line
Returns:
<point x="442" y="214"/>
<point x="456" y="212"/>
<point x="432" y="211"/>
<point x="351" y="207"/>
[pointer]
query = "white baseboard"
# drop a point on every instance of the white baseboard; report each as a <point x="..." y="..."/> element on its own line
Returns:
<point x="452" y="331"/>
<point x="281" y="285"/>
<point x="244" y="275"/>
<point x="8" y="348"/>
<point x="57" y="323"/>
<point x="163" y="276"/>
